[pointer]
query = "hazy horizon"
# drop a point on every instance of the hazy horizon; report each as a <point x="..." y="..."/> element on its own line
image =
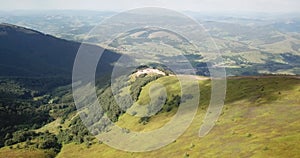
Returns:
<point x="268" y="6"/>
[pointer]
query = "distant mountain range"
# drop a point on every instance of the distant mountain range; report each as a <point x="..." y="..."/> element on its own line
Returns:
<point x="250" y="43"/>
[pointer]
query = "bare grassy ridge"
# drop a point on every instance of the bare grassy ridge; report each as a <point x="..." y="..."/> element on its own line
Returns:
<point x="260" y="119"/>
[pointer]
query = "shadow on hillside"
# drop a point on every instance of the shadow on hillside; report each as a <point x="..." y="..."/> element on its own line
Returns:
<point x="259" y="90"/>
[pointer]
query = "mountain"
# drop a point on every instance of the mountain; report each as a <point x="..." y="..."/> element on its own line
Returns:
<point x="29" y="53"/>
<point x="32" y="67"/>
<point x="38" y="117"/>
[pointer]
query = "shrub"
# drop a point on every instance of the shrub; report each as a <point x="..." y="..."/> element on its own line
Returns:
<point x="144" y="120"/>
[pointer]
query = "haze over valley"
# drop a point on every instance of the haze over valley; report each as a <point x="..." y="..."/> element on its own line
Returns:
<point x="168" y="83"/>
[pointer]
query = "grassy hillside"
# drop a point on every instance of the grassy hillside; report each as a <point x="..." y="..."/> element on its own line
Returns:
<point x="22" y="153"/>
<point x="259" y="119"/>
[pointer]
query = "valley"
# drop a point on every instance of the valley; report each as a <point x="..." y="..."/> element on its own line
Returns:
<point x="138" y="84"/>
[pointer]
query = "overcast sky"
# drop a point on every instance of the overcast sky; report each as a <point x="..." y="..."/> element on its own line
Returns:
<point x="180" y="5"/>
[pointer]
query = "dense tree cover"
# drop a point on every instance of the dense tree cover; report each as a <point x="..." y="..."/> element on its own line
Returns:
<point x="76" y="132"/>
<point x="30" y="139"/>
<point x="19" y="110"/>
<point x="109" y="105"/>
<point x="18" y="137"/>
<point x="21" y="113"/>
<point x="171" y="103"/>
<point x="25" y="103"/>
<point x="49" y="141"/>
<point x="139" y="83"/>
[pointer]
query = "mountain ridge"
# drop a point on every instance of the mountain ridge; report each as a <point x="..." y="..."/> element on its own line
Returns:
<point x="26" y="52"/>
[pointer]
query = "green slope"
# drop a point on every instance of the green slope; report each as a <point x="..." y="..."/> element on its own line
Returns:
<point x="259" y="119"/>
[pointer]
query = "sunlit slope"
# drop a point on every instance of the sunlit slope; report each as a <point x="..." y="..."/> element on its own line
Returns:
<point x="260" y="119"/>
<point x="23" y="153"/>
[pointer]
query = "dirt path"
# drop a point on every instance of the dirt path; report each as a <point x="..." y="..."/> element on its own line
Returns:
<point x="202" y="78"/>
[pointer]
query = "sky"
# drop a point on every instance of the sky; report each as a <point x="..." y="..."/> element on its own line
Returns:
<point x="180" y="5"/>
